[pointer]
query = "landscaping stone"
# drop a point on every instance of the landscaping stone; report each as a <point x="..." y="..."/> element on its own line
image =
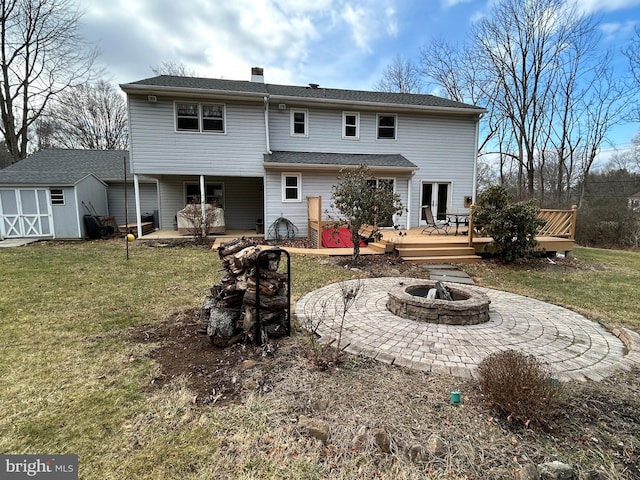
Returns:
<point x="382" y="439"/>
<point x="528" y="472"/>
<point x="555" y="471"/>
<point x="436" y="445"/>
<point x="317" y="428"/>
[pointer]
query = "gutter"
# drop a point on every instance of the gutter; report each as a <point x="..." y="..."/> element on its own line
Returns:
<point x="333" y="167"/>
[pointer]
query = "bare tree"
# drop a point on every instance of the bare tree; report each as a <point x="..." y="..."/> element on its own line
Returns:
<point x="633" y="54"/>
<point x="174" y="68"/>
<point x="628" y="160"/>
<point x="86" y="116"/>
<point x="551" y="100"/>
<point x="42" y="53"/>
<point x="400" y="76"/>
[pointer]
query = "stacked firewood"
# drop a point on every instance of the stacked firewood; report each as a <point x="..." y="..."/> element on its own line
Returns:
<point x="230" y="313"/>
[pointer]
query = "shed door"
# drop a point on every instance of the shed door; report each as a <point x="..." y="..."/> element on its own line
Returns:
<point x="25" y="213"/>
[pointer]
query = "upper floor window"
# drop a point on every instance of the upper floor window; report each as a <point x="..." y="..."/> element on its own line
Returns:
<point x="291" y="187"/>
<point x="196" y="117"/>
<point x="57" y="196"/>
<point x="387" y="126"/>
<point x="351" y="125"/>
<point x="299" y="123"/>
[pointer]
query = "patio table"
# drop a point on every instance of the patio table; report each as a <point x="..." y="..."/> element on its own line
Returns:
<point x="458" y="218"/>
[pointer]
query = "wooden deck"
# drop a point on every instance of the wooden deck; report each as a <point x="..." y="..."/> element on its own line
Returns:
<point x="416" y="247"/>
<point x="410" y="245"/>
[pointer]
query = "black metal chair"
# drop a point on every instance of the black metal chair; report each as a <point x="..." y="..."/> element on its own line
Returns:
<point x="434" y="226"/>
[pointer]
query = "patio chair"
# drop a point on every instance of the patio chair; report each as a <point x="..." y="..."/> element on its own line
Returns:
<point x="434" y="226"/>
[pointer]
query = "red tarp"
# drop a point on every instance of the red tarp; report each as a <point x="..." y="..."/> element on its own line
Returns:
<point x="340" y="238"/>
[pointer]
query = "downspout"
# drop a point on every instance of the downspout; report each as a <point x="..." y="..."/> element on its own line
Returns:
<point x="266" y="124"/>
<point x="203" y="206"/>
<point x="264" y="178"/>
<point x="136" y="189"/>
<point x="474" y="190"/>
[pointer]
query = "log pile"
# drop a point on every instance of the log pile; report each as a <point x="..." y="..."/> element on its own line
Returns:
<point x="230" y="312"/>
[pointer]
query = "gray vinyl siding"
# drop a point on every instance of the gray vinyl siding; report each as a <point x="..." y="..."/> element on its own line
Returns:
<point x="243" y="200"/>
<point x="148" y="201"/>
<point x="66" y="223"/>
<point x="93" y="193"/>
<point x="442" y="146"/>
<point x="314" y="184"/>
<point x="156" y="147"/>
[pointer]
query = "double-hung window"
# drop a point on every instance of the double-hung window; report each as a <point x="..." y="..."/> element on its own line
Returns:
<point x="299" y="123"/>
<point x="197" y="117"/>
<point x="351" y="125"/>
<point x="291" y="187"/>
<point x="387" y="126"/>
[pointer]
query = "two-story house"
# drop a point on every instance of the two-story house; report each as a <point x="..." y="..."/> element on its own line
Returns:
<point x="258" y="150"/>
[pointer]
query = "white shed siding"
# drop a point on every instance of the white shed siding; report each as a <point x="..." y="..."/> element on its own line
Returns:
<point x="314" y="184"/>
<point x="156" y="147"/>
<point x="441" y="146"/>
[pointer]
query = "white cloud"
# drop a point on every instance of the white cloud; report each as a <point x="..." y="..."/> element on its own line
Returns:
<point x="224" y="39"/>
<point x="591" y="6"/>
<point x="453" y="3"/>
<point x="618" y="29"/>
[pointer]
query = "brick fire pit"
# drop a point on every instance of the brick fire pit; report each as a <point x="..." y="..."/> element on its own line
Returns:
<point x="410" y="301"/>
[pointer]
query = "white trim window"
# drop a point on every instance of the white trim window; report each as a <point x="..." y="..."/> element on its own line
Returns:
<point x="57" y="196"/>
<point x="299" y="123"/>
<point x="197" y="117"/>
<point x="351" y="125"/>
<point x="387" y="125"/>
<point x="291" y="187"/>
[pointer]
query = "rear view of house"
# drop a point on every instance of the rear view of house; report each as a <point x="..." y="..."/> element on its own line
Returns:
<point x="257" y="150"/>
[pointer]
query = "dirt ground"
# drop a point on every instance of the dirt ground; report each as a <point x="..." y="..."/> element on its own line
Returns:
<point x="596" y="427"/>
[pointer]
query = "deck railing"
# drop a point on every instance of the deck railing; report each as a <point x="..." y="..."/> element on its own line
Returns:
<point x="557" y="223"/>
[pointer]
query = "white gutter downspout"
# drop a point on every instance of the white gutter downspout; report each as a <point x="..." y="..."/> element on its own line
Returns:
<point x="136" y="189"/>
<point x="203" y="205"/>
<point x="474" y="191"/>
<point x="409" y="182"/>
<point x="266" y="124"/>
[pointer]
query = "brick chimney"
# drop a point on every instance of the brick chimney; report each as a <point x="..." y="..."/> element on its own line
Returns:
<point x="257" y="74"/>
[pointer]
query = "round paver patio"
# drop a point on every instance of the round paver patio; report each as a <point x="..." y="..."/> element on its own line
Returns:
<point x="576" y="348"/>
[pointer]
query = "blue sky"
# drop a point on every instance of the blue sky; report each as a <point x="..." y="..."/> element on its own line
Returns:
<point x="335" y="43"/>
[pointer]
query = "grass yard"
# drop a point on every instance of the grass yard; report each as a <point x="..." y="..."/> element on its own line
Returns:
<point x="72" y="380"/>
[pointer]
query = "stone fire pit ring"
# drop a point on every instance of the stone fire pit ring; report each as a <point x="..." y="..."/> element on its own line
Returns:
<point x="409" y="300"/>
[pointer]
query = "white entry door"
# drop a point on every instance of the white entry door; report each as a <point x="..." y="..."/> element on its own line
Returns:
<point x="25" y="213"/>
<point x="436" y="196"/>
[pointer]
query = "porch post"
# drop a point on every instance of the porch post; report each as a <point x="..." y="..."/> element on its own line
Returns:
<point x="136" y="189"/>
<point x="203" y="205"/>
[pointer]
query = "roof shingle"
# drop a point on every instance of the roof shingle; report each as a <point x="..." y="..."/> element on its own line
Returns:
<point x="304" y="92"/>
<point x="65" y="167"/>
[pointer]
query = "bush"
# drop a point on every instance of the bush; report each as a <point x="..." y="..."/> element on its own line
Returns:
<point x="512" y="226"/>
<point x="519" y="386"/>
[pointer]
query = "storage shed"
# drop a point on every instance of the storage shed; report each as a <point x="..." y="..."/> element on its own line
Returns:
<point x="47" y="194"/>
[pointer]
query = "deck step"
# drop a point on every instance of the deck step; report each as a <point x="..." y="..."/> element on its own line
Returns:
<point x="381" y="247"/>
<point x="422" y="251"/>
<point x="444" y="259"/>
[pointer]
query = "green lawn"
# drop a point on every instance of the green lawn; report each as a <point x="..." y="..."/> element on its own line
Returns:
<point x="72" y="382"/>
<point x="605" y="287"/>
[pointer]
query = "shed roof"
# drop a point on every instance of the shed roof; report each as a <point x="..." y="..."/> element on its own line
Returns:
<point x="57" y="167"/>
